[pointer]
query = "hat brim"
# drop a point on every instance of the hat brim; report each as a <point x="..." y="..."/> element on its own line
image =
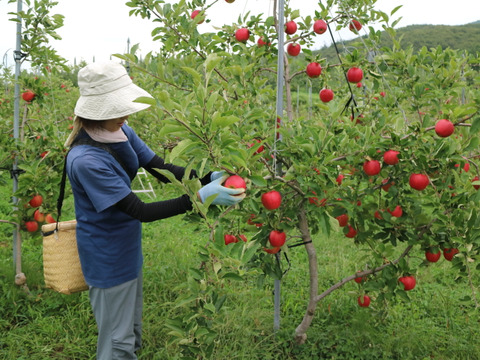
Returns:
<point x="111" y="105"/>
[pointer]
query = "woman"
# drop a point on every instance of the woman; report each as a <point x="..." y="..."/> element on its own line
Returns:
<point x="104" y="158"/>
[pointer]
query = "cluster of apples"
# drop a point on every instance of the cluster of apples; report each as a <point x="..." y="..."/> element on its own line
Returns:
<point x="38" y="217"/>
<point x="408" y="281"/>
<point x="271" y="200"/>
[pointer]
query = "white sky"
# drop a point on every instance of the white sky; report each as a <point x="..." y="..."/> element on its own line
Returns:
<point x="101" y="27"/>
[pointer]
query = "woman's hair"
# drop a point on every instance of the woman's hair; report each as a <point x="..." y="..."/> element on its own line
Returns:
<point x="90" y="124"/>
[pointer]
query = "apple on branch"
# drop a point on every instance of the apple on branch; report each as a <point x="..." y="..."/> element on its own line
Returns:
<point x="319" y="26"/>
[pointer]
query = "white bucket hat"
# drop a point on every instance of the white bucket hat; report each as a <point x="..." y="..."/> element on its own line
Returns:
<point x="107" y="92"/>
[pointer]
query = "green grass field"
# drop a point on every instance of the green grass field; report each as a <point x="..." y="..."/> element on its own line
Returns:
<point x="434" y="324"/>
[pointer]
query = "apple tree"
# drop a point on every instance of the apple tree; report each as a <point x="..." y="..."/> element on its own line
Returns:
<point x="371" y="163"/>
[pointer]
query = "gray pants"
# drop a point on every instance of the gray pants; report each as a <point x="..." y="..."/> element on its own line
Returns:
<point x="118" y="313"/>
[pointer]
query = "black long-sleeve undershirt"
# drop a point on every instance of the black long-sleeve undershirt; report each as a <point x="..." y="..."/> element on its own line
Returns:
<point x="147" y="212"/>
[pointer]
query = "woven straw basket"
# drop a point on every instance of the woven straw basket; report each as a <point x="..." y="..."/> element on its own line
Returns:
<point x="61" y="264"/>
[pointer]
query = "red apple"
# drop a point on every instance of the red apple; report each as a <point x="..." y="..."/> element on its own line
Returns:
<point x="342" y="220"/>
<point x="326" y="95"/>
<point x="194" y="15"/>
<point x="38" y="216"/>
<point x="359" y="85"/>
<point x="31" y="226"/>
<point x="354" y="75"/>
<point x="49" y="219"/>
<point x="397" y="212"/>
<point x="449" y="253"/>
<point x="272" y="250"/>
<point x="319" y="26"/>
<point x="229" y="239"/>
<point x="432" y="257"/>
<point x="277" y="238"/>
<point x="242" y="34"/>
<point x="243" y="237"/>
<point x="390" y="157"/>
<point x="235" y="182"/>
<point x="36" y="201"/>
<point x="360" y="279"/>
<point x="364" y="301"/>
<point x="408" y="282"/>
<point x="372" y="167"/>
<point x="444" y="128"/>
<point x="377" y="215"/>
<point x="339" y="179"/>
<point x="314" y="70"/>
<point x="351" y="232"/>
<point x="261" y="42"/>
<point x="291" y="27"/>
<point x="476" y="178"/>
<point x="355" y="26"/>
<point x="271" y="199"/>
<point x="230" y="1"/>
<point x="260" y="148"/>
<point x="382" y="93"/>
<point x="28" y="95"/>
<point x="418" y="181"/>
<point x="293" y="49"/>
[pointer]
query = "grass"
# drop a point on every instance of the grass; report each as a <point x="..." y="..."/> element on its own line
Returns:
<point x="434" y="324"/>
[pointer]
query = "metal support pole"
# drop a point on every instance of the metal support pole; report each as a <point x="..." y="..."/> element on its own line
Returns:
<point x="16" y="126"/>
<point x="279" y="109"/>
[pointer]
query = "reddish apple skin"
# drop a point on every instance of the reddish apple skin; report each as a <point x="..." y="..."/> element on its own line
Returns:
<point x="242" y="34"/>
<point x="342" y="220"/>
<point x="31" y="226"/>
<point x="261" y="42"/>
<point x="390" y="157"/>
<point x="360" y="279"/>
<point x="444" y="128"/>
<point x="36" y="201"/>
<point x="28" y="96"/>
<point x="229" y="239"/>
<point x="230" y="1"/>
<point x="291" y="27"/>
<point x="351" y="232"/>
<point x="277" y="238"/>
<point x="272" y="250"/>
<point x="476" y="178"/>
<point x="271" y="200"/>
<point x="449" y="253"/>
<point x="49" y="219"/>
<point x="372" y="167"/>
<point x="355" y="25"/>
<point x="408" y="282"/>
<point x="260" y="148"/>
<point x="326" y="95"/>
<point x="432" y="257"/>
<point x="194" y="14"/>
<point x="397" y="212"/>
<point x="293" y="49"/>
<point x="364" y="301"/>
<point x="38" y="216"/>
<point x="235" y="182"/>
<point x="339" y="179"/>
<point x="319" y="26"/>
<point x="418" y="181"/>
<point x="354" y="75"/>
<point x="314" y="70"/>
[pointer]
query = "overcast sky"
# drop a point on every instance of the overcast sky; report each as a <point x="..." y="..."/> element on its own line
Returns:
<point x="99" y="28"/>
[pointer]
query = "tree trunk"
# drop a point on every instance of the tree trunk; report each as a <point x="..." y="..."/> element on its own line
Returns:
<point x="301" y="330"/>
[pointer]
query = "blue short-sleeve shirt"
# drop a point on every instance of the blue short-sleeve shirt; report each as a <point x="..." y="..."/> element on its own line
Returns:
<point x="109" y="240"/>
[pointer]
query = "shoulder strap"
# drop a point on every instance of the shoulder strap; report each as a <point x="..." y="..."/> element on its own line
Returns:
<point x="82" y="141"/>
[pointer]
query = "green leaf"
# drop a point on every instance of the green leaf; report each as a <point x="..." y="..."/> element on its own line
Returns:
<point x="196" y="75"/>
<point x="181" y="147"/>
<point x="232" y="276"/>
<point x="145" y="100"/>
<point x="223" y="121"/>
<point x="258" y="180"/>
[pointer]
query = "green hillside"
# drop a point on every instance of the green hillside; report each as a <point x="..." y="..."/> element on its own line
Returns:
<point x="461" y="37"/>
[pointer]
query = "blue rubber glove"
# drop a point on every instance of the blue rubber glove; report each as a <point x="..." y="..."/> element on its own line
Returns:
<point x="224" y="196"/>
<point x="216" y="175"/>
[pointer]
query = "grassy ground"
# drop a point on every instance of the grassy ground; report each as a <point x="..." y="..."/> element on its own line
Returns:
<point x="434" y="324"/>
